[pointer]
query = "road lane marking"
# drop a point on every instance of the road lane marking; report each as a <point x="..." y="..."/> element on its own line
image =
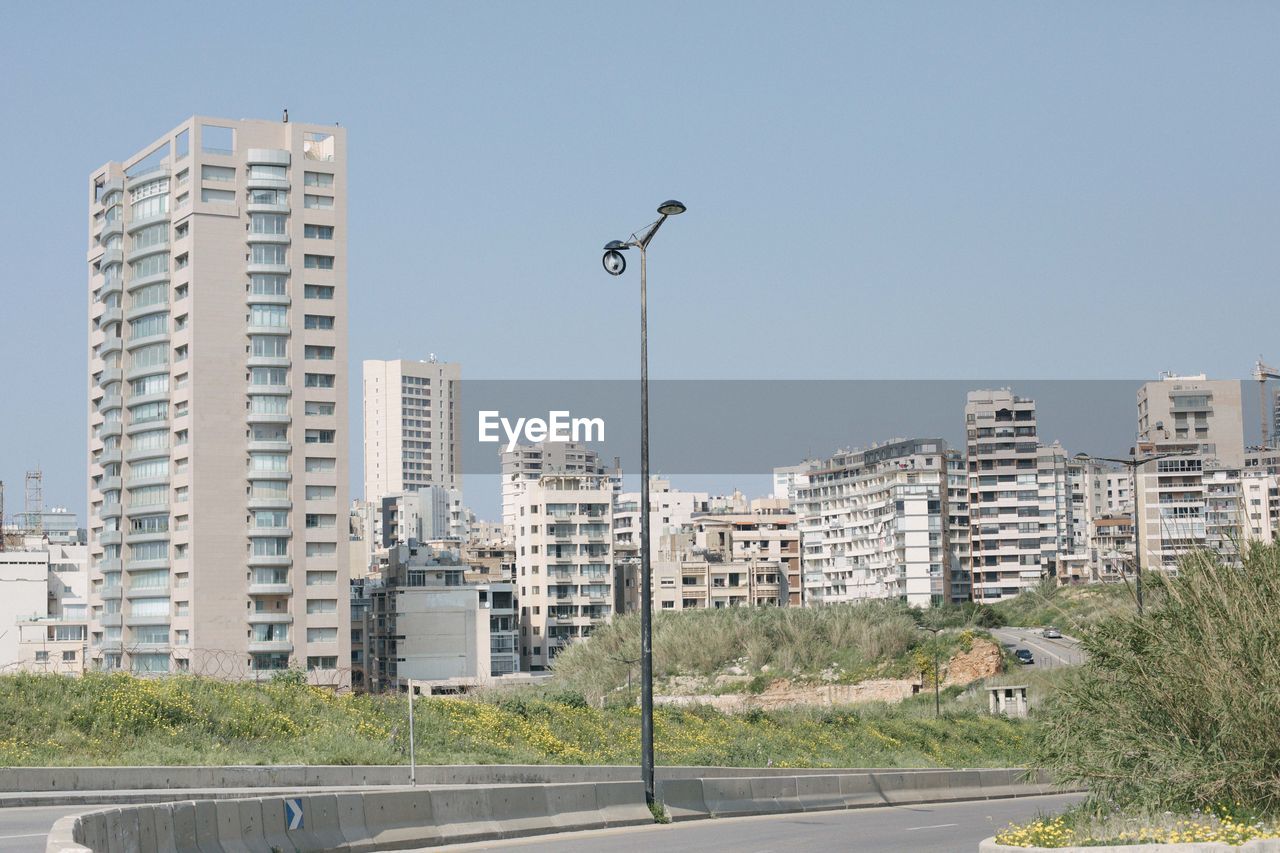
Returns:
<point x="931" y="826"/>
<point x="28" y="835"/>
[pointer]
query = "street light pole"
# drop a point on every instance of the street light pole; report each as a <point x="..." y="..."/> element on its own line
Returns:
<point x="1133" y="463"/>
<point x="614" y="264"/>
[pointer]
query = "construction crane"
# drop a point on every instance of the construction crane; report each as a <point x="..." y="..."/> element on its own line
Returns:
<point x="1262" y="373"/>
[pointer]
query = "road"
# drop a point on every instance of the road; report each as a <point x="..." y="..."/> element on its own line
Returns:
<point x="23" y="830"/>
<point x="1048" y="653"/>
<point x="937" y="828"/>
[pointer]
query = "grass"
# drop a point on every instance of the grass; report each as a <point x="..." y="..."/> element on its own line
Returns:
<point x="121" y="720"/>
<point x="1072" y="609"/>
<point x="839" y="643"/>
<point x="1080" y="827"/>
<point x="1177" y="710"/>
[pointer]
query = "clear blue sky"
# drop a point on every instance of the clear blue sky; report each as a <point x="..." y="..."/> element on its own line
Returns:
<point x="926" y="190"/>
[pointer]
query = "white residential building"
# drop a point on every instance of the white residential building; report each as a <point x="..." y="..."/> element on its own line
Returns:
<point x="873" y="524"/>
<point x="217" y="410"/>
<point x="527" y="463"/>
<point x="411" y="430"/>
<point x="563" y="532"/>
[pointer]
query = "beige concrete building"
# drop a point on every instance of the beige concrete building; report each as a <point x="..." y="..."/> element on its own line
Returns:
<point x="563" y="528"/>
<point x="1017" y="516"/>
<point x="527" y="463"/>
<point x="874" y="524"/>
<point x="44" y="610"/>
<point x="217" y="414"/>
<point x="411" y="430"/>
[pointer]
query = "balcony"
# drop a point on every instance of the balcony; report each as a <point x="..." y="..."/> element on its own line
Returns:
<point x="252" y="207"/>
<point x="269" y="503"/>
<point x="268" y="418"/>
<point x="263" y="237"/>
<point x="270" y="646"/>
<point x="109" y="316"/>
<point x="261" y="183"/>
<point x="109" y="537"/>
<point x="112" y="256"/>
<point x="139" y="224"/>
<point x="278" y="269"/>
<point x="265" y="560"/>
<point x="268" y="157"/>
<point x="269" y="446"/>
<point x="269" y="617"/>
<point x="282" y="532"/>
<point x="270" y="589"/>
<point x="146" y="340"/>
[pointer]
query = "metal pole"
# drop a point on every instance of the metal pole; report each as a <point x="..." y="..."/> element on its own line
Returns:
<point x="937" y="674"/>
<point x="646" y="589"/>
<point x="1137" y="547"/>
<point x="413" y="761"/>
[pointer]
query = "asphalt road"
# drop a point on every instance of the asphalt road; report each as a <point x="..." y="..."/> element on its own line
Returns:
<point x="1048" y="653"/>
<point x="24" y="829"/>
<point x="937" y="828"/>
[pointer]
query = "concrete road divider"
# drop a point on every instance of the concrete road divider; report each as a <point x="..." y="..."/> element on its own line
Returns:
<point x="403" y="818"/>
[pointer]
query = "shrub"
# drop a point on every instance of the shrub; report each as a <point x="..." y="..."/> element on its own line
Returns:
<point x="1177" y="709"/>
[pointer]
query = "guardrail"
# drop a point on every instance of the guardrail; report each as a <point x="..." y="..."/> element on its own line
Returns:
<point x="406" y="818"/>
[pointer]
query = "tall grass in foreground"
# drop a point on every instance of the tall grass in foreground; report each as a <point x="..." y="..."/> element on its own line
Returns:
<point x="1180" y="709"/>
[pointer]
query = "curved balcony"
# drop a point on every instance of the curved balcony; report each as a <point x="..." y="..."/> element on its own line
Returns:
<point x="109" y="537"/>
<point x="267" y="617"/>
<point x="110" y="229"/>
<point x="139" y="482"/>
<point x="111" y="646"/>
<point x="268" y="157"/>
<point x="109" y="484"/>
<point x="263" y="561"/>
<point x="268" y="299"/>
<point x="146" y="370"/>
<point x="111" y="593"/>
<point x="270" y="646"/>
<point x="110" y="620"/>
<point x="139" y="224"/>
<point x="110" y="286"/>
<point x="250" y="207"/>
<point x="260" y="183"/>
<point x="114" y="185"/>
<point x="150" y="174"/>
<point x="133" y="537"/>
<point x="274" y="532"/>
<point x="132" y="621"/>
<point x="110" y="511"/>
<point x="146" y="565"/>
<point x="109" y="375"/>
<point x="111" y="401"/>
<point x="147" y="592"/>
<point x="145" y="251"/>
<point x="111" y="256"/>
<point x="143" y="426"/>
<point x="134" y="343"/>
<point x="110" y="345"/>
<point x="269" y="503"/>
<point x="266" y="330"/>
<point x="143" y="281"/>
<point x="133" y="312"/>
<point x="256" y="237"/>
<point x="110" y="315"/>
<point x="269" y="447"/>
<point x="147" y="453"/>
<point x="263" y="361"/>
<point x="271" y="390"/>
<point x="270" y="589"/>
<point x="268" y="418"/>
<point x="275" y="269"/>
<point x="109" y="457"/>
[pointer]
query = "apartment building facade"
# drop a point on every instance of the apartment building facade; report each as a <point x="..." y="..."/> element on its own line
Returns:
<point x="1015" y="524"/>
<point x="874" y="524"/>
<point x="527" y="463"/>
<point x="563" y="537"/>
<point x="217" y="409"/>
<point x="412" y="437"/>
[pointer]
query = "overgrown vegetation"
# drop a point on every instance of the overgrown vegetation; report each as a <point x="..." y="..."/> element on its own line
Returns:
<point x="1073" y="609"/>
<point x="122" y="720"/>
<point x="840" y="643"/>
<point x="1178" y="709"/>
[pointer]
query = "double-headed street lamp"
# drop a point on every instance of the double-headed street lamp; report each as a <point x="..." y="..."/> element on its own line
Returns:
<point x="614" y="264"/>
<point x="1133" y="463"/>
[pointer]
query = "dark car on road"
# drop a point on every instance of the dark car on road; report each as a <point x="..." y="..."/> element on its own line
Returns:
<point x="1024" y="656"/>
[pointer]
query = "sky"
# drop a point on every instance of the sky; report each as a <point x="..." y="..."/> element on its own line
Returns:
<point x="875" y="191"/>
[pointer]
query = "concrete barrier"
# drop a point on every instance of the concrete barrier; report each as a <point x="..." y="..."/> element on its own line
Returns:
<point x="405" y="818"/>
<point x="28" y="780"/>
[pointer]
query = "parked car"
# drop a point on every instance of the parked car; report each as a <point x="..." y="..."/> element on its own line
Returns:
<point x="1052" y="633"/>
<point x="1024" y="656"/>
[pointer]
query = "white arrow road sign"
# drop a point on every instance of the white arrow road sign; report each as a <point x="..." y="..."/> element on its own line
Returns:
<point x="293" y="813"/>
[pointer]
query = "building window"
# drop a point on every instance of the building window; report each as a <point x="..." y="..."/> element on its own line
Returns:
<point x="318" y="232"/>
<point x="318" y="321"/>
<point x="317" y="202"/>
<point x="318" y="262"/>
<point x="317" y="291"/>
<point x="319" y="353"/>
<point x="317" y="179"/>
<point x="319" y="380"/>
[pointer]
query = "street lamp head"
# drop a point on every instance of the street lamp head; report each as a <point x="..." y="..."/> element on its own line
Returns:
<point x="671" y="207"/>
<point x="614" y="262"/>
<point x="616" y="244"/>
